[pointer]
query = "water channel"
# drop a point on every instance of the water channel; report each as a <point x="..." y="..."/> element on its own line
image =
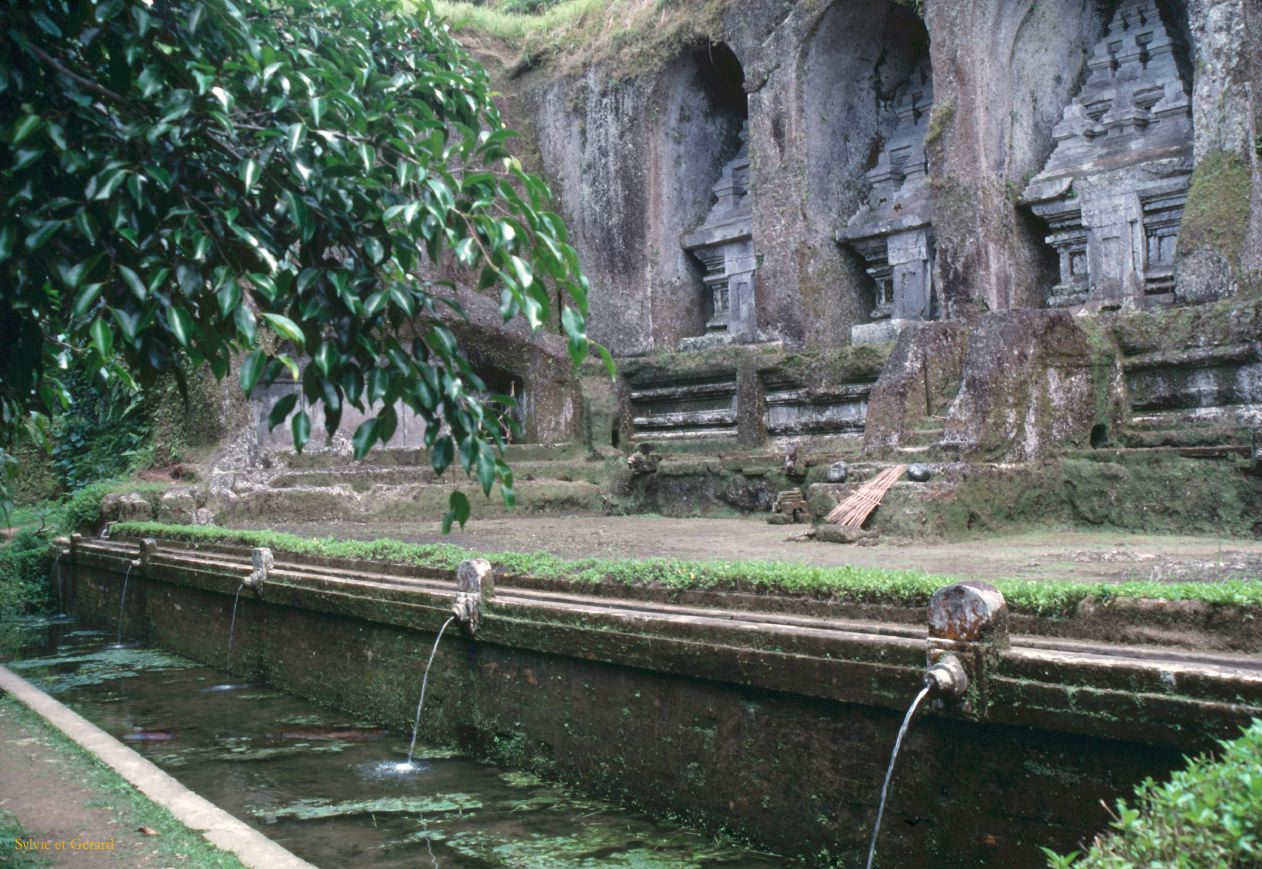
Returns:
<point x="332" y="790"/>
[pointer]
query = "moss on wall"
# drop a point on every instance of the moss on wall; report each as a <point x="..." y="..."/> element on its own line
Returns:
<point x="1217" y="212"/>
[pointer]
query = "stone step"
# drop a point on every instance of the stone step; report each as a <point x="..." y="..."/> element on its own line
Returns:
<point x="421" y="502"/>
<point x="362" y="478"/>
<point x="324" y="459"/>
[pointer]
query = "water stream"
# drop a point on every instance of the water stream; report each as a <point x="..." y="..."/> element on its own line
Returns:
<point x="889" y="772"/>
<point x="328" y="788"/>
<point x="122" y="600"/>
<point x="61" y="596"/>
<point x="420" y="704"/>
<point x="232" y="625"/>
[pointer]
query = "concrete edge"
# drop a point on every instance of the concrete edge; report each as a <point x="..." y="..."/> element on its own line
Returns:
<point x="197" y="813"/>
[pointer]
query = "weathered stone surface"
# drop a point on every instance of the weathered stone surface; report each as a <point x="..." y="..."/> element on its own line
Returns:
<point x="1114" y="188"/>
<point x="1227" y="108"/>
<point x="893" y="231"/>
<point x="919" y="473"/>
<point x="968" y="612"/>
<point x="177" y="506"/>
<point x="830" y="533"/>
<point x="126" y="507"/>
<point x="1003" y="71"/>
<point x="1034" y="382"/>
<point x="920" y="379"/>
<point x="837" y="472"/>
<point x="724" y="246"/>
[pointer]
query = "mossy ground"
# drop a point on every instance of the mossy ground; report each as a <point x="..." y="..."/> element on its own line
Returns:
<point x="843" y="583"/>
<point x="639" y="36"/>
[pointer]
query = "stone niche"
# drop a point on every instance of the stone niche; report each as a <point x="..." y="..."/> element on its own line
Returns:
<point x="1112" y="191"/>
<point x="681" y="407"/>
<point x="721" y="246"/>
<point x="894" y="231"/>
<point x="724" y="245"/>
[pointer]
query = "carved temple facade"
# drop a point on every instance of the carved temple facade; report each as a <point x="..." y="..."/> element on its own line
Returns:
<point x="1113" y="190"/>
<point x="893" y="232"/>
<point x="724" y="245"/>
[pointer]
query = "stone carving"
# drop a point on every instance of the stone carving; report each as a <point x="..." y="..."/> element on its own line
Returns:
<point x="685" y="407"/>
<point x="894" y="231"/>
<point x="724" y="244"/>
<point x="1113" y="189"/>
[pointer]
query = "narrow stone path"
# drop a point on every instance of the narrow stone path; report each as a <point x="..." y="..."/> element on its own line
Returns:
<point x="59" y="796"/>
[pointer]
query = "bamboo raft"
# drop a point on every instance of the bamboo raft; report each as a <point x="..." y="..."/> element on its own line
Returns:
<point x="855" y="510"/>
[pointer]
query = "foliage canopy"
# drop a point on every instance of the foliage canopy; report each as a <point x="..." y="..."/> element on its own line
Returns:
<point x="284" y="179"/>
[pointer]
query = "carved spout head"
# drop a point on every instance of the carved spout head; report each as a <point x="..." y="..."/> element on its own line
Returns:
<point x="947" y="678"/>
<point x="466" y="609"/>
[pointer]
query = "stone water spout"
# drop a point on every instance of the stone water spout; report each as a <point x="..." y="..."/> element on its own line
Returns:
<point x="474" y="582"/>
<point x="261" y="559"/>
<point x="968" y="627"/>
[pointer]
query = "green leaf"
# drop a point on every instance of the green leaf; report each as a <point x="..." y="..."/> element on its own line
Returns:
<point x="249" y="172"/>
<point x="375" y="249"/>
<point x="134" y="283"/>
<point x="442" y="454"/>
<point x="40" y="236"/>
<point x="281" y="409"/>
<point x="297" y="132"/>
<point x="287" y="328"/>
<point x="301" y="427"/>
<point x="459" y="511"/>
<point x="181" y="325"/>
<point x="251" y="370"/>
<point x="486" y="470"/>
<point x="365" y="436"/>
<point x="24" y="127"/>
<point x="102" y="338"/>
<point x="86" y="299"/>
<point x="298" y="214"/>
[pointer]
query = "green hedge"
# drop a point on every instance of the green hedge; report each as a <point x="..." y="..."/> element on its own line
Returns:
<point x="1207" y="815"/>
<point x="25" y="565"/>
<point x="847" y="583"/>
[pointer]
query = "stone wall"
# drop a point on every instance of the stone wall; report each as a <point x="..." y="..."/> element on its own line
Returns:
<point x="774" y="727"/>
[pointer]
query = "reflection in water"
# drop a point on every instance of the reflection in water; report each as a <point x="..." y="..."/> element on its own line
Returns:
<point x="331" y="790"/>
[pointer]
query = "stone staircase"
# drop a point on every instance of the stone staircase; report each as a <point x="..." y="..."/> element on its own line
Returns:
<point x="400" y="485"/>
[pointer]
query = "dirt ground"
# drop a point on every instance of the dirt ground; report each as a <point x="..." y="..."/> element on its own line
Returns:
<point x="59" y="795"/>
<point x="1052" y="555"/>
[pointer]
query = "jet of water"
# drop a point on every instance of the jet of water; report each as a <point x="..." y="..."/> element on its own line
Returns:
<point x="236" y="599"/>
<point x="889" y="773"/>
<point x="61" y="598"/>
<point x="416" y="727"/>
<point x="122" y="599"/>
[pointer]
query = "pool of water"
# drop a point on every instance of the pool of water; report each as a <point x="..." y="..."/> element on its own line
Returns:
<point x="332" y="790"/>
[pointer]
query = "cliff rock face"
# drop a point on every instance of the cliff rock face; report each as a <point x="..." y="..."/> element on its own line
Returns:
<point x="636" y="150"/>
<point x="1034" y="383"/>
<point x="920" y="379"/>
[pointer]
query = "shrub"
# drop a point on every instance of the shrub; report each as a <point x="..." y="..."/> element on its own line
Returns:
<point x="24" y="568"/>
<point x="83" y="509"/>
<point x="1207" y="815"/>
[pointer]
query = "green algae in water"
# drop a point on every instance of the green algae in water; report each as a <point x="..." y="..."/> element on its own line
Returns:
<point x="316" y="809"/>
<point x="329" y="801"/>
<point x="68" y="672"/>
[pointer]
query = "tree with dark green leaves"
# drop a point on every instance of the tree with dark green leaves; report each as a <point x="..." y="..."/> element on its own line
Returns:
<point x="187" y="182"/>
